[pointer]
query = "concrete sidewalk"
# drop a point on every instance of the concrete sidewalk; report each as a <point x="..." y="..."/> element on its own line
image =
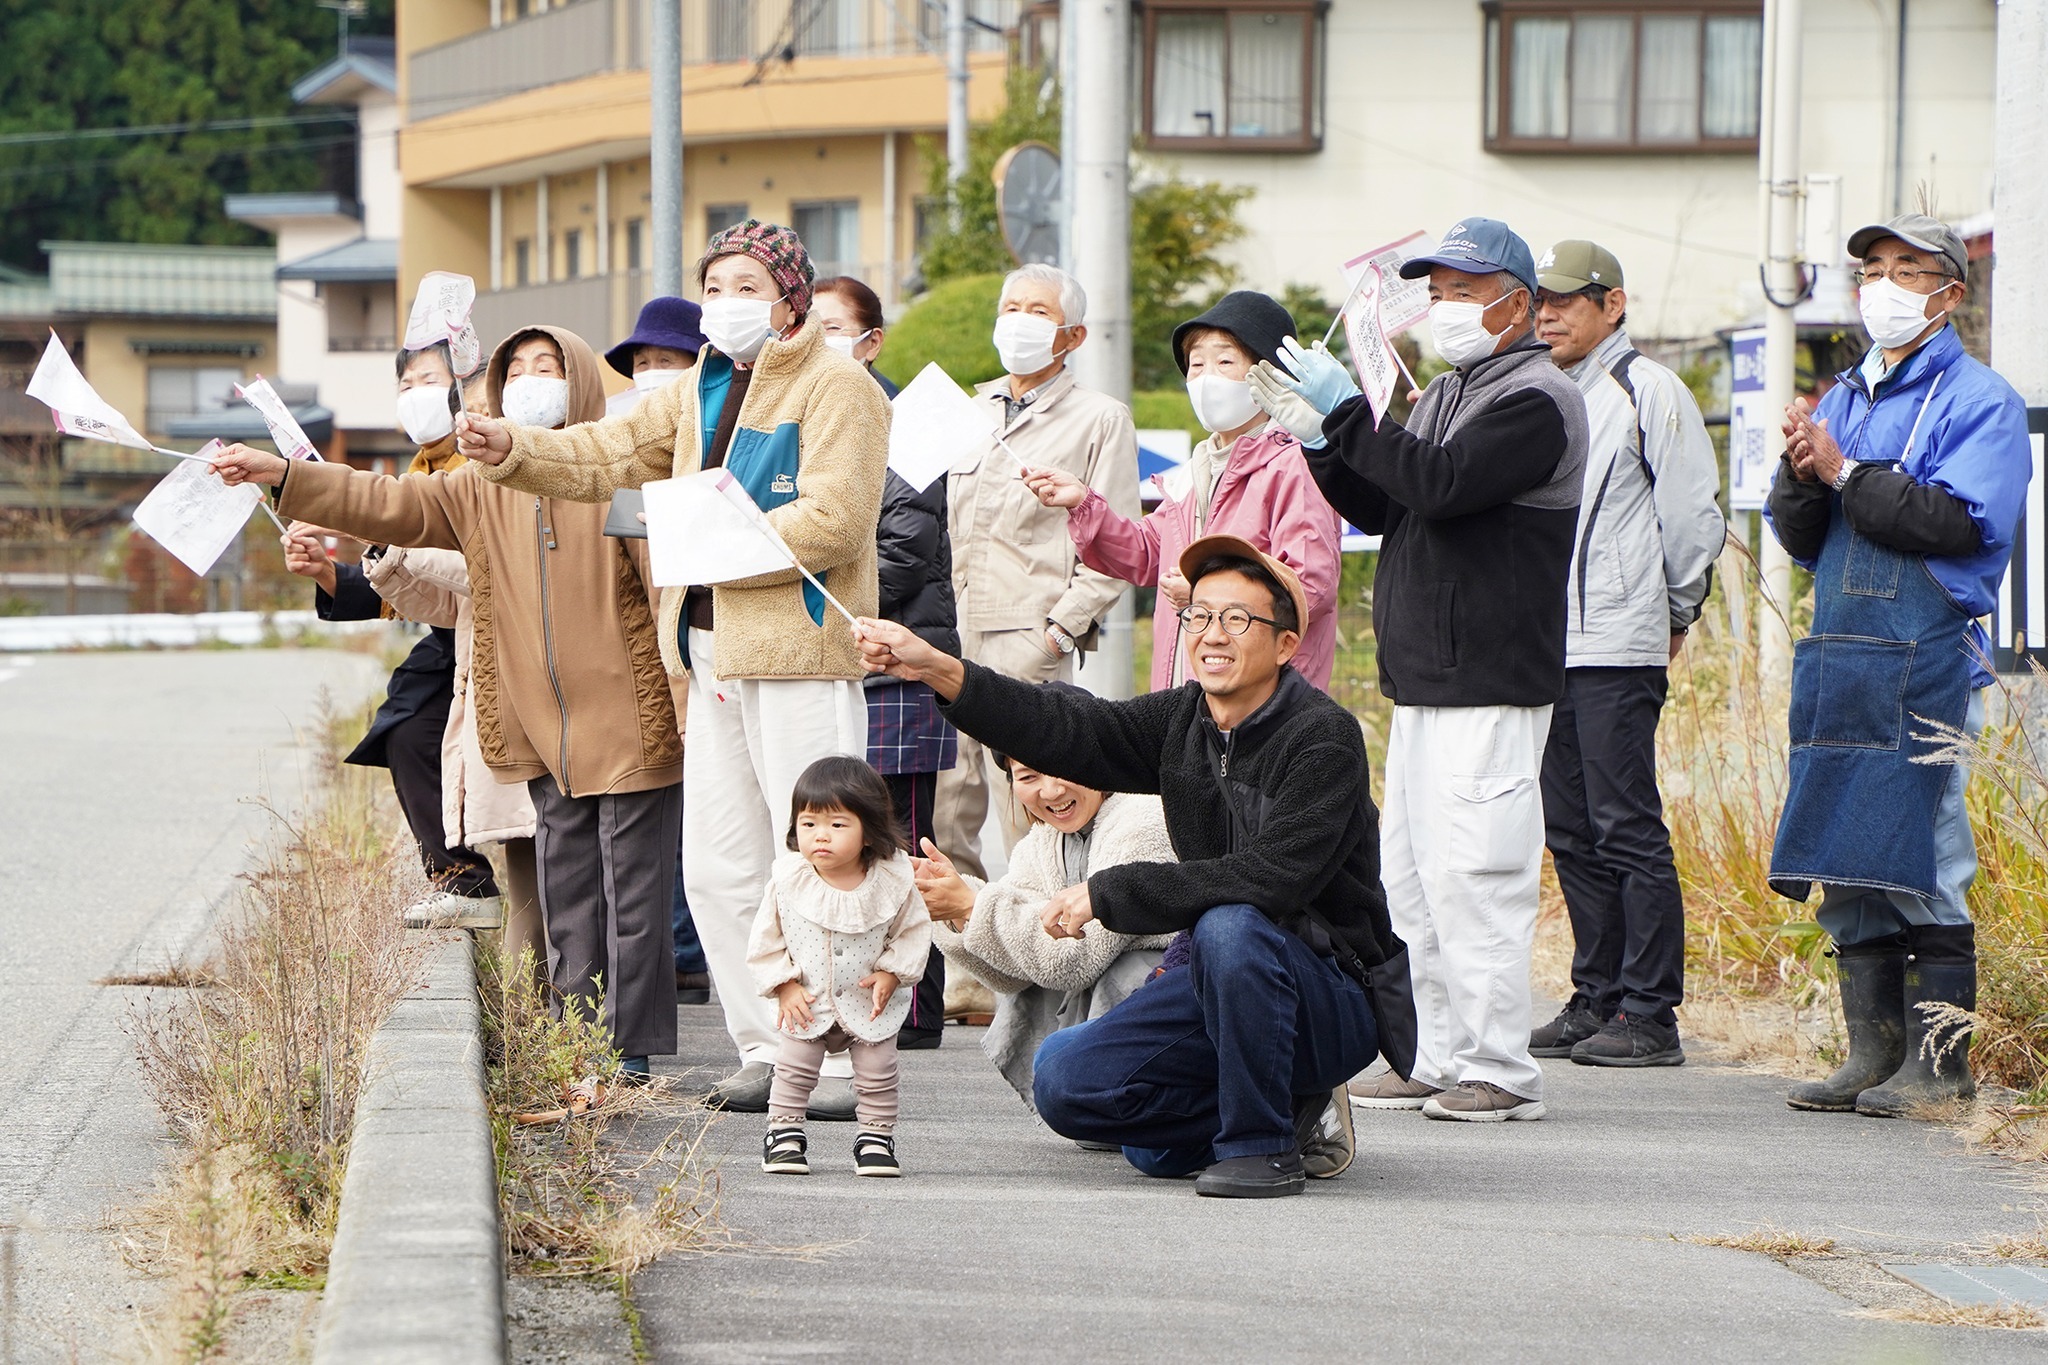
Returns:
<point x="1550" y="1241"/>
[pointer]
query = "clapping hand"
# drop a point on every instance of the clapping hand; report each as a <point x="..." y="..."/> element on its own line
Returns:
<point x="1816" y="458"/>
<point x="1315" y="374"/>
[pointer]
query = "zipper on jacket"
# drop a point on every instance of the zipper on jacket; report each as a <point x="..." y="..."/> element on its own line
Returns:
<point x="1229" y="738"/>
<point x="544" y="541"/>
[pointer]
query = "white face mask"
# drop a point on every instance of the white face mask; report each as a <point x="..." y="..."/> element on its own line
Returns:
<point x="1458" y="331"/>
<point x="647" y="381"/>
<point x="537" y="400"/>
<point x="1221" y="404"/>
<point x="1024" y="342"/>
<point x="1894" y="315"/>
<point x="423" y="412"/>
<point x="845" y="345"/>
<point x="738" y="327"/>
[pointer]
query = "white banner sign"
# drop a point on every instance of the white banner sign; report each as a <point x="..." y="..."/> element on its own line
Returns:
<point x="79" y="411"/>
<point x="935" y="425"/>
<point x="284" y="428"/>
<point x="1403" y="303"/>
<point x="1751" y="452"/>
<point x="1369" y="354"/>
<point x="194" y="515"/>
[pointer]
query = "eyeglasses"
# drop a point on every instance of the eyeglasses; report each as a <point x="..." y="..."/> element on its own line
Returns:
<point x="1236" y="620"/>
<point x="1905" y="276"/>
<point x="1595" y="294"/>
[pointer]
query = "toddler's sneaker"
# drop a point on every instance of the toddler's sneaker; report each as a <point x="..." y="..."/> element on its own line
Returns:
<point x="782" y="1152"/>
<point x="875" y="1154"/>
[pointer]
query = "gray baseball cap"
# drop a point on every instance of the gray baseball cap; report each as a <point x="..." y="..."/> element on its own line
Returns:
<point x="1915" y="229"/>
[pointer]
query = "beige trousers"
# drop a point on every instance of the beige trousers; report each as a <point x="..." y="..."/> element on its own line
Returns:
<point x="525" y="930"/>
<point x="796" y="1075"/>
<point x="965" y="789"/>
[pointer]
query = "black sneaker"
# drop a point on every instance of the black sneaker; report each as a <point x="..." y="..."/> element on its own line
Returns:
<point x="1253" y="1177"/>
<point x="782" y="1152"/>
<point x="693" y="988"/>
<point x="1629" y="1041"/>
<point x="1575" y="1023"/>
<point x="875" y="1154"/>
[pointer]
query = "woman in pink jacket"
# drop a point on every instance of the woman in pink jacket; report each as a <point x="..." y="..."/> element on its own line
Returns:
<point x="1246" y="479"/>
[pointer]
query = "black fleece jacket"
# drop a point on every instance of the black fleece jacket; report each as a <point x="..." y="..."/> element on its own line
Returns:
<point x="1477" y="500"/>
<point x="1275" y="814"/>
<point x="914" y="562"/>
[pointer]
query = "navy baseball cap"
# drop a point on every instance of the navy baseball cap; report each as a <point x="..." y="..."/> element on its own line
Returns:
<point x="665" y="321"/>
<point x="1479" y="246"/>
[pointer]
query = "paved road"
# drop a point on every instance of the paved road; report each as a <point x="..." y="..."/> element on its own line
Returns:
<point x="1550" y="1241"/>
<point x="122" y="778"/>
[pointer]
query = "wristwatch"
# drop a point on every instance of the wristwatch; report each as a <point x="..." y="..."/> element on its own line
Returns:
<point x="1842" y="475"/>
<point x="1060" y="636"/>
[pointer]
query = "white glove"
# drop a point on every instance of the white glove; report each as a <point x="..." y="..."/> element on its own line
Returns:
<point x="1271" y="392"/>
<point x="1315" y="374"/>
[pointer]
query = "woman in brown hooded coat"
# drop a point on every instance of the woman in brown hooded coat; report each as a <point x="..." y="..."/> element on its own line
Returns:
<point x="571" y="695"/>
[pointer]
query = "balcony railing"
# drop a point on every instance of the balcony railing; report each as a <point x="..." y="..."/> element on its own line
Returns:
<point x="598" y="308"/>
<point x="587" y="37"/>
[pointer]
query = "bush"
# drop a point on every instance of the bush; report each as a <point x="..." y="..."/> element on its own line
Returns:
<point x="1166" y="409"/>
<point x="953" y="324"/>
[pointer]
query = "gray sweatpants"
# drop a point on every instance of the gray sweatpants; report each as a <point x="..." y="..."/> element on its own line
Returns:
<point x="607" y="881"/>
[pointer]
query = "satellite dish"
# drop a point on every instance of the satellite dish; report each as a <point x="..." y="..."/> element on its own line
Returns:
<point x="1028" y="202"/>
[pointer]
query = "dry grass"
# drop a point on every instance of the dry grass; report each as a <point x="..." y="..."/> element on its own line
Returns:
<point x="1776" y="1243"/>
<point x="257" y="1067"/>
<point x="609" y="1189"/>
<point x="1936" y="1313"/>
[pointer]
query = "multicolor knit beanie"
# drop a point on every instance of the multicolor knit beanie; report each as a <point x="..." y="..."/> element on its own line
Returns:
<point x="776" y="247"/>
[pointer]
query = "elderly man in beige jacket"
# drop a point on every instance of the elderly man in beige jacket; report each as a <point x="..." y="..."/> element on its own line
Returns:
<point x="1026" y="603"/>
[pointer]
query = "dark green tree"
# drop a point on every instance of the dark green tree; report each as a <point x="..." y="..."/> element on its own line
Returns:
<point x="85" y="67"/>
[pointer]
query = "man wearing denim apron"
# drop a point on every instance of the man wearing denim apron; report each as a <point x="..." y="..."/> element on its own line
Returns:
<point x="1901" y="493"/>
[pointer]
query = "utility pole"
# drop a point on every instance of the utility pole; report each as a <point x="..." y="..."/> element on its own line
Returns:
<point x="1098" y="144"/>
<point x="2019" y="326"/>
<point x="665" y="146"/>
<point x="1784" y="279"/>
<point x="956" y="92"/>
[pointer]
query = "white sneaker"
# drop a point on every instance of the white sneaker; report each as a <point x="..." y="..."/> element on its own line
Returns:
<point x="446" y="910"/>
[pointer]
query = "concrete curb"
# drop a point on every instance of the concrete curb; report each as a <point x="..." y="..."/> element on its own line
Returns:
<point x="416" y="1272"/>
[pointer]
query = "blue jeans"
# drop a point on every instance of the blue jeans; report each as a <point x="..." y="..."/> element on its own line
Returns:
<point x="1858" y="914"/>
<point x="689" y="953"/>
<point x="1204" y="1063"/>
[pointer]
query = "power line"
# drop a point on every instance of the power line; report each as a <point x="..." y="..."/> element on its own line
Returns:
<point x="161" y="129"/>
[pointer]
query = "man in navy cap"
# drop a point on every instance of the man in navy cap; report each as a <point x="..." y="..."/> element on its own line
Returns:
<point x="1476" y="499"/>
<point x="664" y="343"/>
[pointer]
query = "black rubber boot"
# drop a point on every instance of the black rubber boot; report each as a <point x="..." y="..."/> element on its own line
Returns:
<point x="1873" y="977"/>
<point x="1942" y="970"/>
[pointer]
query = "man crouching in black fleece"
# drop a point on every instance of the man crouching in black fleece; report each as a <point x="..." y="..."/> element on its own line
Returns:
<point x="1225" y="1065"/>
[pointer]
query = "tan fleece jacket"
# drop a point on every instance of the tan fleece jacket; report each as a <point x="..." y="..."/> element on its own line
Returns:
<point x="567" y="676"/>
<point x="814" y="428"/>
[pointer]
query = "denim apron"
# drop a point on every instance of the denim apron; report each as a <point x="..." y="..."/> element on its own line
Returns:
<point x="1889" y="651"/>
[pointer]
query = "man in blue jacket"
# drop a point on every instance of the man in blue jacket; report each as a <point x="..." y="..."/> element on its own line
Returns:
<point x="1901" y="493"/>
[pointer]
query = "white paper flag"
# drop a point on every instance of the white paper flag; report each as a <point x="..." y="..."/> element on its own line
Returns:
<point x="440" y="312"/>
<point x="79" y="411"/>
<point x="697" y="536"/>
<point x="284" y="428"/>
<point x="1369" y="355"/>
<point x="194" y="515"/>
<point x="1403" y="303"/>
<point x="936" y="424"/>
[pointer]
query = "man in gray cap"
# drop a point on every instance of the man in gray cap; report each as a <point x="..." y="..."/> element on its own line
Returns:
<point x="1649" y="531"/>
<point x="1476" y="499"/>
<point x="1902" y="494"/>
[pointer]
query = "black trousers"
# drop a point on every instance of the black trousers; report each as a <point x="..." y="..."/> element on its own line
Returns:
<point x="607" y="880"/>
<point x="413" y="749"/>
<point x="913" y="795"/>
<point x="1604" y="823"/>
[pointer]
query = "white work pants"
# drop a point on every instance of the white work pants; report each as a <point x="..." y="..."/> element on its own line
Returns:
<point x="748" y="740"/>
<point x="1461" y="843"/>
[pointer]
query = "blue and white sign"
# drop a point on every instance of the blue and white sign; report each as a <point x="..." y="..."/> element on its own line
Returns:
<point x="1750" y="451"/>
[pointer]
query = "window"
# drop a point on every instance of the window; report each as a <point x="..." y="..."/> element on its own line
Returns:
<point x="824" y="27"/>
<point x="1631" y="78"/>
<point x="1228" y="75"/>
<point x="522" y="262"/>
<point x="572" y="254"/>
<point x="636" y="231"/>
<point x="830" y="230"/>
<point x="182" y="391"/>
<point x="732" y="30"/>
<point x="719" y="217"/>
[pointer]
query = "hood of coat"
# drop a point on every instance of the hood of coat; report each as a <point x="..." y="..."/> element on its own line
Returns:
<point x="579" y="365"/>
<point x="877" y="900"/>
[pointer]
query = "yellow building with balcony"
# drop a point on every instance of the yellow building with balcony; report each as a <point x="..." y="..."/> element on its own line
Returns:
<point x="523" y="141"/>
